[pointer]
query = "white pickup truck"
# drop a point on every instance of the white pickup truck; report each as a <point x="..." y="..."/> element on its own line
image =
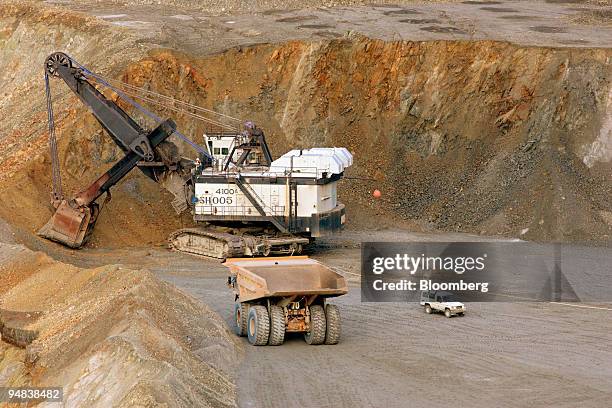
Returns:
<point x="440" y="301"/>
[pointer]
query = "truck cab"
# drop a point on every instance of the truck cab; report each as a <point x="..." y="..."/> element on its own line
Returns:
<point x="440" y="301"/>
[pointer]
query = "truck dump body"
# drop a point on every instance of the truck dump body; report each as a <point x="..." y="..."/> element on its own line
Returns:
<point x="281" y="277"/>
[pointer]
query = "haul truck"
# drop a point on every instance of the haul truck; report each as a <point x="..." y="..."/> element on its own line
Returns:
<point x="275" y="296"/>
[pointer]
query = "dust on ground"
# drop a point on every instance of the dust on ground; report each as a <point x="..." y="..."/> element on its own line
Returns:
<point x="198" y="30"/>
<point x="602" y="17"/>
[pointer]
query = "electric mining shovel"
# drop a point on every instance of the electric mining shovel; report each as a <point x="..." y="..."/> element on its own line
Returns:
<point x="243" y="201"/>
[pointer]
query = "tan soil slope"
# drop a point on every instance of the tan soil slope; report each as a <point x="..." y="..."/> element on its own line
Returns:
<point x="115" y="337"/>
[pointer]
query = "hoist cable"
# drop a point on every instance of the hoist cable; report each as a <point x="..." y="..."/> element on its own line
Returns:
<point x="179" y="110"/>
<point x="55" y="172"/>
<point x="87" y="73"/>
<point x="172" y="100"/>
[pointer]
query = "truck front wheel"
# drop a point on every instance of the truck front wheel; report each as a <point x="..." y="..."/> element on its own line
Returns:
<point x="428" y="309"/>
<point x="447" y="313"/>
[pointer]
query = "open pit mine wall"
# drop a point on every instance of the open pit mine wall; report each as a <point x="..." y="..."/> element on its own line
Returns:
<point x="481" y="136"/>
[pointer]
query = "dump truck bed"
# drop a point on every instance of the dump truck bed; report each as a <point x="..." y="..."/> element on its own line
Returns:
<point x="258" y="278"/>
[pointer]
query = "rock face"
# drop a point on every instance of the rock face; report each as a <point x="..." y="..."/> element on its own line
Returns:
<point x="12" y="329"/>
<point x="113" y="337"/>
<point x="479" y="136"/>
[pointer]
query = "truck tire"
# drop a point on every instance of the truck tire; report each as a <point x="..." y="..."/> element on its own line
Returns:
<point x="241" y="311"/>
<point x="447" y="313"/>
<point x="277" y="326"/>
<point x="258" y="325"/>
<point x="428" y="309"/>
<point x="316" y="335"/>
<point x="332" y="317"/>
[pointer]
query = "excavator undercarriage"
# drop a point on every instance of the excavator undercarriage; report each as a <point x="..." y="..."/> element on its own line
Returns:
<point x="210" y="242"/>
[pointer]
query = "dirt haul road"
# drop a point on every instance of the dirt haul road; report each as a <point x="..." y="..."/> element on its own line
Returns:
<point x="395" y="355"/>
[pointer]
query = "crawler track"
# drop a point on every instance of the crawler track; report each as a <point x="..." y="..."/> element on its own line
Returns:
<point x="199" y="241"/>
<point x="223" y="245"/>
